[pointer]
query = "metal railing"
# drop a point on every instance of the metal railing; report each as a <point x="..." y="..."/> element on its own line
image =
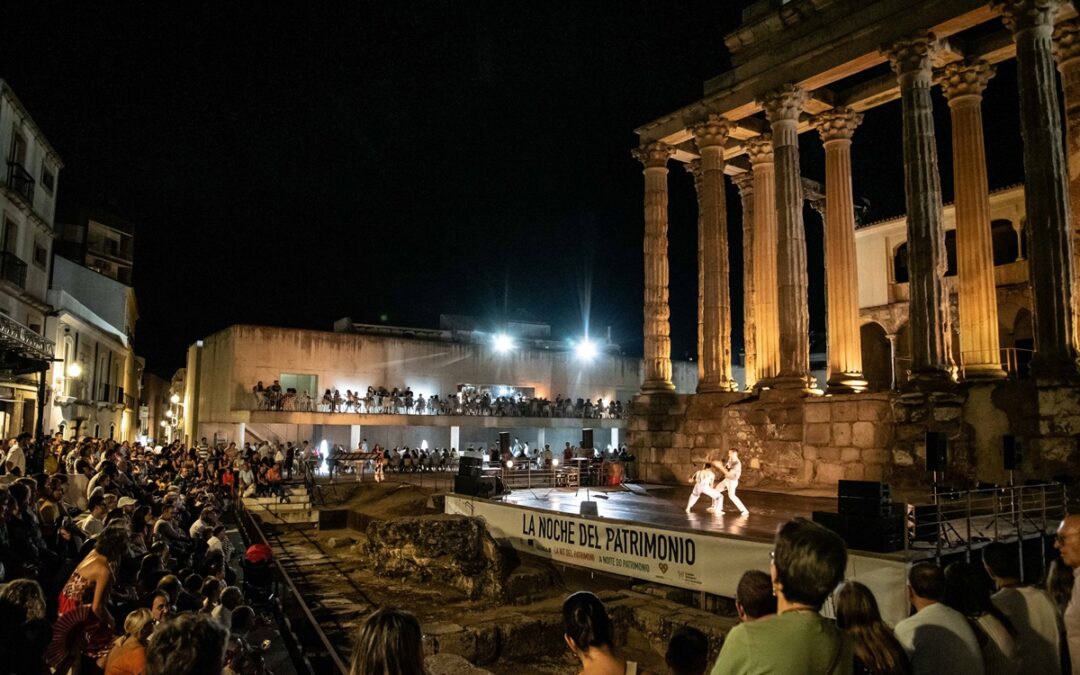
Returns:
<point x="20" y="182"/>
<point x="955" y="521"/>
<point x="13" y="269"/>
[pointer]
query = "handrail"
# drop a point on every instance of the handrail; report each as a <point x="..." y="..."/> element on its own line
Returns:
<point x="340" y="665"/>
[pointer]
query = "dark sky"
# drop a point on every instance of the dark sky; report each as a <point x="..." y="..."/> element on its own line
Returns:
<point x="290" y="164"/>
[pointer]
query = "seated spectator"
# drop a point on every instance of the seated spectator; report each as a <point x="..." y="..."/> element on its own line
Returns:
<point x="160" y="605"/>
<point x="204" y="524"/>
<point x="94" y="521"/>
<point x="389" y="641"/>
<point x="1067" y="543"/>
<point x="189" y="599"/>
<point x="937" y="638"/>
<point x="590" y="635"/>
<point x="26" y="633"/>
<point x="165" y="531"/>
<point x="967" y="590"/>
<point x="754" y="597"/>
<point x="1029" y="609"/>
<point x="877" y="651"/>
<point x="687" y="652"/>
<point x="191" y="643"/>
<point x="808" y="563"/>
<point x="231" y="598"/>
<point x="128" y="653"/>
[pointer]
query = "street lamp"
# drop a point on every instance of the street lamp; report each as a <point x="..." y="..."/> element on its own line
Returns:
<point x="74" y="370"/>
<point x="585" y="350"/>
<point x="174" y="399"/>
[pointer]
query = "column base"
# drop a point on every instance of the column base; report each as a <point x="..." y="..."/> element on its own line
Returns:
<point x="804" y="384"/>
<point x="846" y="383"/>
<point x="657" y="386"/>
<point x="929" y="379"/>
<point x="716" y="387"/>
<point x="984" y="371"/>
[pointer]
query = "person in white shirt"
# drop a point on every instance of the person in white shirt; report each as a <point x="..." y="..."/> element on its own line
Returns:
<point x="94" y="522"/>
<point x="703" y="481"/>
<point x="938" y="639"/>
<point x="1068" y="543"/>
<point x="1030" y="609"/>
<point x="15" y="458"/>
<point x="732" y="471"/>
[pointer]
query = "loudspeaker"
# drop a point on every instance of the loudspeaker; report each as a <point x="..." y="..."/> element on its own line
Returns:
<point x="863" y="498"/>
<point x="1012" y="452"/>
<point x="879" y="534"/>
<point x="470" y="466"/>
<point x="922" y="523"/>
<point x="466" y="485"/>
<point x="586" y="439"/>
<point x="485" y="486"/>
<point x="936" y="451"/>
<point x="504" y="442"/>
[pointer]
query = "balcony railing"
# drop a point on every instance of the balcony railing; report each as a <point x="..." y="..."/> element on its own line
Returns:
<point x="21" y="182"/>
<point x="12" y="269"/>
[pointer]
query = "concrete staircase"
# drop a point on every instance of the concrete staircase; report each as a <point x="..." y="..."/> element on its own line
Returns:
<point x="298" y="510"/>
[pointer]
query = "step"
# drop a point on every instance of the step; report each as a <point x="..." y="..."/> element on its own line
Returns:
<point x="270" y="501"/>
<point x="290" y="517"/>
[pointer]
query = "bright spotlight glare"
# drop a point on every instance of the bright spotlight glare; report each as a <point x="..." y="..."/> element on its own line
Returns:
<point x="509" y="464"/>
<point x="503" y="343"/>
<point x="174" y="399"/>
<point x="74" y="370"/>
<point x="585" y="349"/>
<point x="555" y="463"/>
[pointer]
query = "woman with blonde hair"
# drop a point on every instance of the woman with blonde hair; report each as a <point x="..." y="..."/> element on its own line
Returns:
<point x="877" y="651"/>
<point x="389" y="643"/>
<point x="128" y="653"/>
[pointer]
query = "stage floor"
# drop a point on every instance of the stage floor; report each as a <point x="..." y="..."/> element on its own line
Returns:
<point x="663" y="506"/>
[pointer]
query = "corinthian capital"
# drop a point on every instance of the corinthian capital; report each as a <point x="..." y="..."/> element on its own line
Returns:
<point x="1021" y="15"/>
<point x="837" y="124"/>
<point x="783" y="103"/>
<point x="745" y="182"/>
<point x="693" y="168"/>
<point x="965" y="78"/>
<point x="653" y="155"/>
<point x="713" y="131"/>
<point x="913" y="53"/>
<point x="1067" y="41"/>
<point x="759" y="149"/>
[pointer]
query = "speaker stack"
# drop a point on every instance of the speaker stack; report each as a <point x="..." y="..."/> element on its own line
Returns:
<point x="470" y="480"/>
<point x="1012" y="452"/>
<point x="504" y="442"/>
<point x="937" y="451"/>
<point x="586" y="439"/>
<point x="865" y="518"/>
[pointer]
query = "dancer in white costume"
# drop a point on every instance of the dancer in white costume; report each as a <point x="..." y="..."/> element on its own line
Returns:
<point x="732" y="470"/>
<point x="703" y="481"/>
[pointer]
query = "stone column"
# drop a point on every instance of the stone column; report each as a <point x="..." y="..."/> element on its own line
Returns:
<point x="1067" y="51"/>
<point x="694" y="169"/>
<point x="745" y="182"/>
<point x="654" y="157"/>
<point x="927" y="306"/>
<point x="980" y="354"/>
<point x="836" y="128"/>
<point x="891" y="337"/>
<point x="1046" y="193"/>
<point x="766" y="318"/>
<point x="710" y="136"/>
<point x="782" y="108"/>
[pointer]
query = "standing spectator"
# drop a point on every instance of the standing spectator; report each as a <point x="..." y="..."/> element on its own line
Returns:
<point x="191" y="643"/>
<point x="1059" y="585"/>
<point x="937" y="638"/>
<point x="15" y="459"/>
<point x="590" y="635"/>
<point x="877" y="651"/>
<point x="754" y="597"/>
<point x="687" y="652"/>
<point x="128" y="653"/>
<point x="807" y="564"/>
<point x="1029" y="609"/>
<point x="967" y="590"/>
<point x="1068" y="543"/>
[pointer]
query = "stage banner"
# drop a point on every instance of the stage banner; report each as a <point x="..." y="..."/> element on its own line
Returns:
<point x="711" y="562"/>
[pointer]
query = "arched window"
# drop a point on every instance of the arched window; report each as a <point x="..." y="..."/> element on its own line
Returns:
<point x="900" y="264"/>
<point x="1006" y="246"/>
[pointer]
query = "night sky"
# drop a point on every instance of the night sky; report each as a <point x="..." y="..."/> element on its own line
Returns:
<point x="290" y="164"/>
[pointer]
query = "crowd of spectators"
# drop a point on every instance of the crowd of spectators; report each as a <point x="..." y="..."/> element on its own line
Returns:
<point x="404" y="402"/>
<point x="115" y="554"/>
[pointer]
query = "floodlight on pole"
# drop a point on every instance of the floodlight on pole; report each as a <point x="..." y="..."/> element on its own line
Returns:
<point x="503" y="343"/>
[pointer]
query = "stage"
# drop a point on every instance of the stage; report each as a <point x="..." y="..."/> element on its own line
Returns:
<point x="642" y="531"/>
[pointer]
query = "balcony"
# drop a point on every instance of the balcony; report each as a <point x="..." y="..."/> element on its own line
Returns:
<point x="21" y="182"/>
<point x="12" y="269"/>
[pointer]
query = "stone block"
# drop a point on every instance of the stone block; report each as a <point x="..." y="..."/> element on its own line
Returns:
<point x="854" y="471"/>
<point x="818" y="433"/>
<point x="874" y="411"/>
<point x="841" y="433"/>
<point x="903" y="458"/>
<point x="817" y="411"/>
<point x="947" y="413"/>
<point x="850" y="455"/>
<point x="461" y="643"/>
<point x="827" y="472"/>
<point x="873" y="472"/>
<point x="757" y="416"/>
<point x="661" y="439"/>
<point x="788" y="432"/>
<point x="448" y="663"/>
<point x="829" y="453"/>
<point x="863" y="434"/>
<point x="487" y="641"/>
<point x="701" y="440"/>
<point x="715" y="440"/>
<point x="845" y="411"/>
<point x="809" y="452"/>
<point x="711" y="426"/>
<point x="876" y="456"/>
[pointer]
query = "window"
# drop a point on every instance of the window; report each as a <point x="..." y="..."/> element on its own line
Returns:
<point x="900" y="268"/>
<point x="41" y="254"/>
<point x="18" y="148"/>
<point x="48" y="180"/>
<point x="299" y="382"/>
<point x="11" y="237"/>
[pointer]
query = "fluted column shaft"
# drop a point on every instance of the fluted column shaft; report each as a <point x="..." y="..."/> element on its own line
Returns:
<point x="927" y="308"/>
<point x="766" y="316"/>
<point x="782" y="108"/>
<point x="694" y="169"/>
<point x="1067" y="51"/>
<point x="716" y="324"/>
<point x="841" y="267"/>
<point x="654" y="157"/>
<point x="745" y="183"/>
<point x="963" y="84"/>
<point x="1046" y="193"/>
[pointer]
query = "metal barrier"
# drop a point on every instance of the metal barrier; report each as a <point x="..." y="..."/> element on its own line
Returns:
<point x="291" y="602"/>
<point x="523" y="475"/>
<point x="951" y="521"/>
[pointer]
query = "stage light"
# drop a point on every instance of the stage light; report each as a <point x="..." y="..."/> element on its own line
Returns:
<point x="555" y="463"/>
<point x="585" y="350"/>
<point x="509" y="464"/>
<point x="502" y="343"/>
